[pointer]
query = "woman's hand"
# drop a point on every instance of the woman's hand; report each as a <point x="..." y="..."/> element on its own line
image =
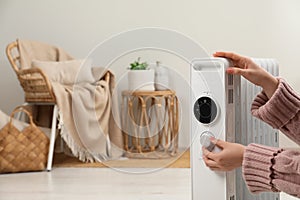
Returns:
<point x="251" y="71"/>
<point x="229" y="158"/>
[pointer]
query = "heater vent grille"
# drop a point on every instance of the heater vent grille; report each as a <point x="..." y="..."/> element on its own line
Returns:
<point x="230" y="79"/>
<point x="230" y="96"/>
<point x="254" y="130"/>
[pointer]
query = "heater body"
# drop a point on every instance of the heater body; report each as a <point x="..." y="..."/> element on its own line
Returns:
<point x="221" y="109"/>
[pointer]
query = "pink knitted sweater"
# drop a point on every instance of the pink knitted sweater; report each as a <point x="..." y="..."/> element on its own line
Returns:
<point x="275" y="169"/>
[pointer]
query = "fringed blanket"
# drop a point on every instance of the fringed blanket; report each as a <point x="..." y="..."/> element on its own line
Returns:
<point x="88" y="126"/>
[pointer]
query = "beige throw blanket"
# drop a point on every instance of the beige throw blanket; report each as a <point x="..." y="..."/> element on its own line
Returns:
<point x="88" y="126"/>
<point x="85" y="109"/>
<point x="33" y="50"/>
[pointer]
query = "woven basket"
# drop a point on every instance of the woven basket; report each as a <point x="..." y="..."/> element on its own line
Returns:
<point x="24" y="150"/>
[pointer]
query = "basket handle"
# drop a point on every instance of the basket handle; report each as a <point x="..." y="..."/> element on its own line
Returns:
<point x="21" y="109"/>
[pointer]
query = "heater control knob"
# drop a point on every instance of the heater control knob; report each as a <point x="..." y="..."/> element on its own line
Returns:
<point x="205" y="110"/>
<point x="205" y="141"/>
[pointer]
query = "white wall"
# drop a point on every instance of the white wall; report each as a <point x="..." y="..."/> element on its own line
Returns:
<point x="269" y="28"/>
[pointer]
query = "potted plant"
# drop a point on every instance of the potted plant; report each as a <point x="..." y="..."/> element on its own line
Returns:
<point x="140" y="76"/>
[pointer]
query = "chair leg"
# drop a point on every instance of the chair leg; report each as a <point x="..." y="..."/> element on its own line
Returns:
<point x="61" y="144"/>
<point x="52" y="139"/>
<point x="20" y="114"/>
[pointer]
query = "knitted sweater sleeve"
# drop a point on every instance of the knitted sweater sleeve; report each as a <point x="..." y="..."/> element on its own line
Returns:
<point x="282" y="111"/>
<point x="274" y="169"/>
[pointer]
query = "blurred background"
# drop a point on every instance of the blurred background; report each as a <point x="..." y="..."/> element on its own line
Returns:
<point x="261" y="29"/>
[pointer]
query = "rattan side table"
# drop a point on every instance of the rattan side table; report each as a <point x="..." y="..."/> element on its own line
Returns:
<point x="150" y="122"/>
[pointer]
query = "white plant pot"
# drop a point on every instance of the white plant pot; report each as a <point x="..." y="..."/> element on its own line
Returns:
<point x="141" y="80"/>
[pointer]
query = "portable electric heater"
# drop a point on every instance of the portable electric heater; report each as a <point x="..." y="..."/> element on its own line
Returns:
<point x="221" y="109"/>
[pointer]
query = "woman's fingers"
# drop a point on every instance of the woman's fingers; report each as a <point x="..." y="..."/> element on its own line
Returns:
<point x="238" y="60"/>
<point x="233" y="56"/>
<point x="210" y="160"/>
<point x="208" y="154"/>
<point x="210" y="163"/>
<point x="235" y="70"/>
<point x="219" y="143"/>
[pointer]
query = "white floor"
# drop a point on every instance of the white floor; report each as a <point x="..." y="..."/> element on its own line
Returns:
<point x="96" y="184"/>
<point x="99" y="183"/>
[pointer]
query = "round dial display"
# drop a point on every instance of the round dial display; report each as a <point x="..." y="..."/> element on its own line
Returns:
<point x="205" y="110"/>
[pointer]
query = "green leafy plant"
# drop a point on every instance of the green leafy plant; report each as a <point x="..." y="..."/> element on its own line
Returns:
<point x="137" y="65"/>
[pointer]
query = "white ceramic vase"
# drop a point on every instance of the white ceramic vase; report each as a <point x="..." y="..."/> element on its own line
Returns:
<point x="141" y="80"/>
<point x="161" y="77"/>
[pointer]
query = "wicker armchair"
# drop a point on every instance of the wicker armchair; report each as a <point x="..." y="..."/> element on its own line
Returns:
<point x="38" y="90"/>
<point x="36" y="86"/>
<point x="34" y="81"/>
